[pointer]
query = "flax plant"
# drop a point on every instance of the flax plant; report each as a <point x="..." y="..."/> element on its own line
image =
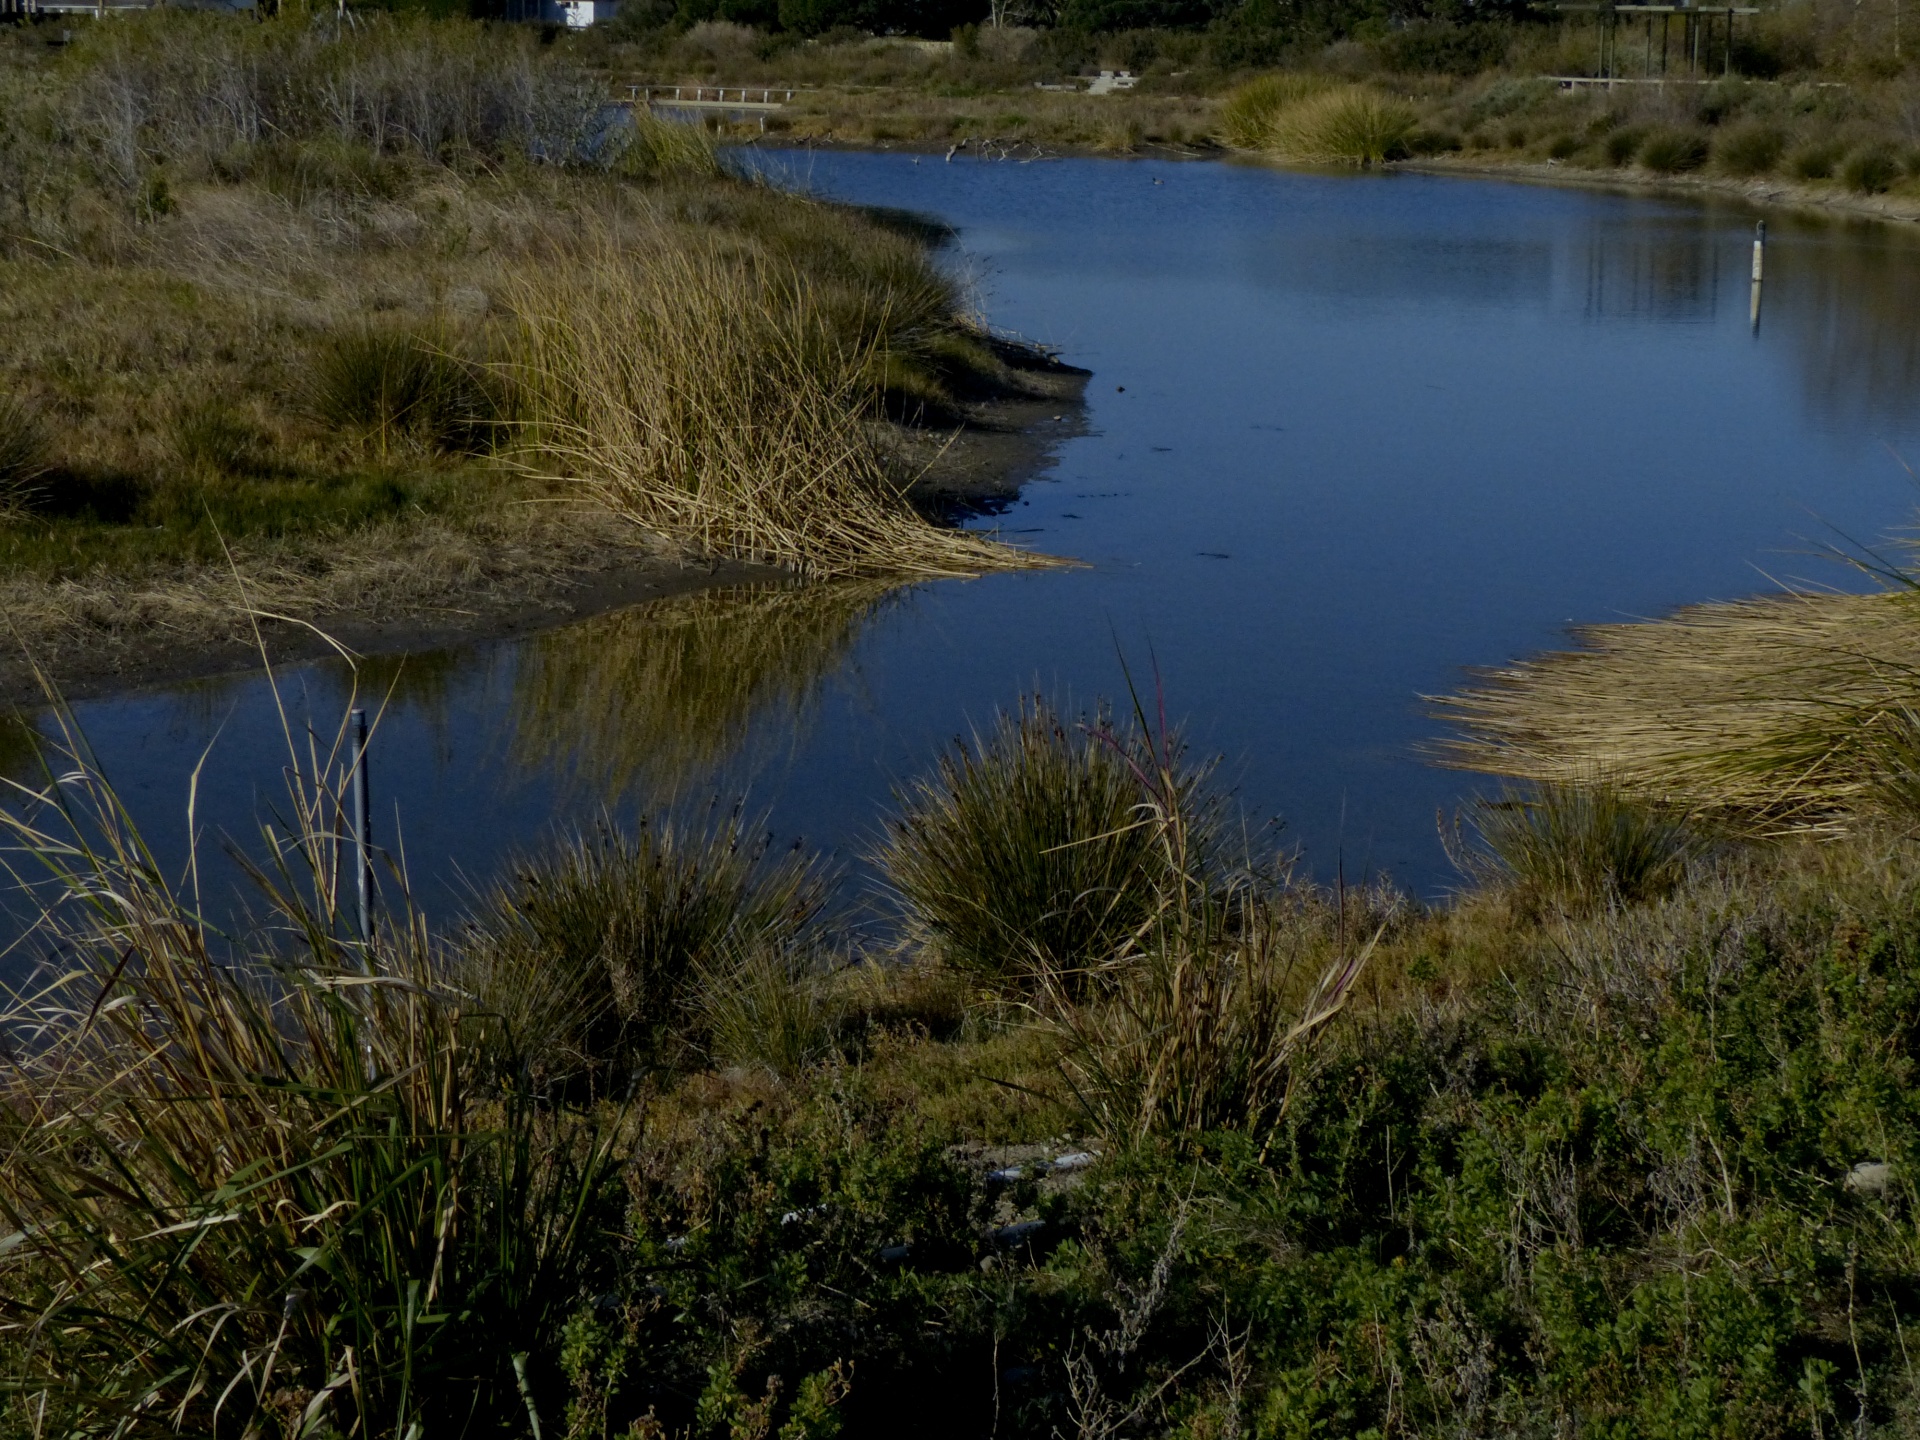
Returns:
<point x="254" y="1189"/>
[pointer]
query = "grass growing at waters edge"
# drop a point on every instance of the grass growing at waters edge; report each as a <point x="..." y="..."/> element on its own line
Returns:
<point x="338" y="273"/>
<point x="1356" y="1160"/>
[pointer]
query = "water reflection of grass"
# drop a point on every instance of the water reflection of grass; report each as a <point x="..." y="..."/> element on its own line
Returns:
<point x="665" y="691"/>
<point x="19" y="746"/>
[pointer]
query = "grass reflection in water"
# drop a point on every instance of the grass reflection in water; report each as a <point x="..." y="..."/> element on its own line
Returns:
<point x="665" y="692"/>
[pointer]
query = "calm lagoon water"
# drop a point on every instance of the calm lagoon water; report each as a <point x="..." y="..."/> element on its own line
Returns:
<point x="1346" y="437"/>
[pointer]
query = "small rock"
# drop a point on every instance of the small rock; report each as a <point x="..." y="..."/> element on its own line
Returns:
<point x="1019" y="1234"/>
<point x="1869" y="1177"/>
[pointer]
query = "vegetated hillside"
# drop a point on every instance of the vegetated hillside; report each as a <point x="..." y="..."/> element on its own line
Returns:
<point x="1130" y="1133"/>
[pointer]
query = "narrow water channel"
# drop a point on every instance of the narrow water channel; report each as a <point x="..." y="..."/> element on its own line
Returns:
<point x="1346" y="437"/>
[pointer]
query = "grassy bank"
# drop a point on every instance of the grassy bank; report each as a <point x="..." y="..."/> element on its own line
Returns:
<point x="1810" y="110"/>
<point x="1129" y="1133"/>
<point x="348" y="311"/>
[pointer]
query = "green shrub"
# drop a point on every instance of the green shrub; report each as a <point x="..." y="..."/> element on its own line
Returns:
<point x="1814" y="160"/>
<point x="405" y="389"/>
<point x="1579" y="845"/>
<point x="1750" y="148"/>
<point x="1028" y="852"/>
<point x="1563" y="147"/>
<point x="1622" y="145"/>
<point x="595" y="953"/>
<point x="1669" y="151"/>
<point x="23" y="451"/>
<point x="1871" y="169"/>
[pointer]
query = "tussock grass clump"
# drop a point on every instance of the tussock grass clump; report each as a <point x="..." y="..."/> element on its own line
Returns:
<point x="1815" y="160"/>
<point x="1351" y="125"/>
<point x="712" y="400"/>
<point x="1749" y="148"/>
<point x="1872" y="169"/>
<point x="767" y="1007"/>
<point x="1030" y="851"/>
<point x="1767" y="716"/>
<point x="655" y="149"/>
<point x="1247" y="118"/>
<point x="1578" y="846"/>
<point x="1671" y="150"/>
<point x="212" y="438"/>
<point x="23" y="452"/>
<point x="401" y="388"/>
<point x="266" y="1192"/>
<point x="595" y="953"/>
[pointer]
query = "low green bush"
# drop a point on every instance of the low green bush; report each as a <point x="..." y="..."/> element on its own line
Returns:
<point x="1563" y="147"/>
<point x="1670" y="151"/>
<point x="1622" y="145"/>
<point x="1748" y="148"/>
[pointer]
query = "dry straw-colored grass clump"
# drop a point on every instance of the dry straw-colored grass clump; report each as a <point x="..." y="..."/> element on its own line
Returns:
<point x="1771" y="716"/>
<point x="712" y="399"/>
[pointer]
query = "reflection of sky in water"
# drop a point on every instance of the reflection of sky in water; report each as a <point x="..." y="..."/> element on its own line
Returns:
<point x="1374" y="430"/>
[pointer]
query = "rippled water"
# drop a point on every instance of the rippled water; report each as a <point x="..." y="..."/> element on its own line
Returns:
<point x="1346" y="436"/>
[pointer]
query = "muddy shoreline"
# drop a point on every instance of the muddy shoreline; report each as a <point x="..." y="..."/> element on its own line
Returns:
<point x="594" y="564"/>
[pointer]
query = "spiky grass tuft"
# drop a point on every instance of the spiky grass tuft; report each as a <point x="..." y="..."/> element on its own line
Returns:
<point x="23" y="452"/>
<point x="402" y="388"/>
<point x="265" y="1190"/>
<point x="1578" y="846"/>
<point x="594" y="953"/>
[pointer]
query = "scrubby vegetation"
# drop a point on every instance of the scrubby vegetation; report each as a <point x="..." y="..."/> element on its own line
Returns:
<point x="1619" y="1142"/>
<point x="266" y="286"/>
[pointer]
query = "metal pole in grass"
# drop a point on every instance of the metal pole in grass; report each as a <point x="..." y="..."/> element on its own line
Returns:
<point x="362" y="828"/>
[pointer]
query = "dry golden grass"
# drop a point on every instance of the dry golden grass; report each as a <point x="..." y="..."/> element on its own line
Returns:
<point x="713" y="401"/>
<point x="1795" y="713"/>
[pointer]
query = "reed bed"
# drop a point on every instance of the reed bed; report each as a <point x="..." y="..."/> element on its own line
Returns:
<point x="1799" y="713"/>
<point x="711" y="399"/>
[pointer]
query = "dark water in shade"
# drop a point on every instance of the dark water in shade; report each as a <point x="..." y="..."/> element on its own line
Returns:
<point x="1373" y="430"/>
